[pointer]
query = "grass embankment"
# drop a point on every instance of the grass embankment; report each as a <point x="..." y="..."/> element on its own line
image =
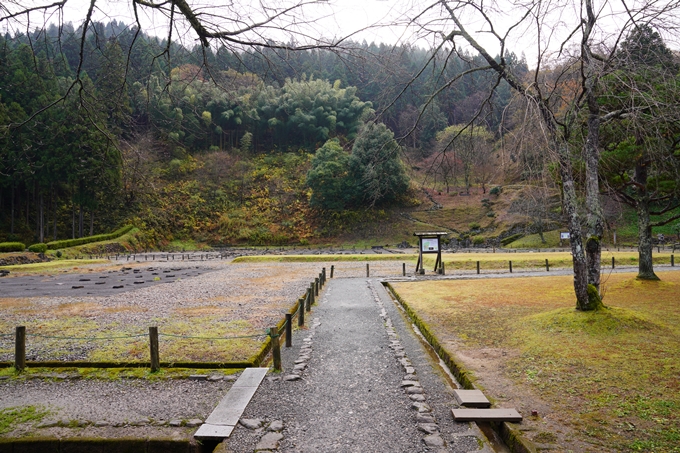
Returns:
<point x="322" y="258"/>
<point x="612" y="374"/>
<point x="528" y="260"/>
<point x="52" y="266"/>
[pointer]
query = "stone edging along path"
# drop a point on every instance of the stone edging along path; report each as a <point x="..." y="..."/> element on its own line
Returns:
<point x="411" y="385"/>
<point x="509" y="433"/>
<point x="350" y="385"/>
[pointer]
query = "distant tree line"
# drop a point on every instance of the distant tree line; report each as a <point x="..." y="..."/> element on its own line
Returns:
<point x="66" y="113"/>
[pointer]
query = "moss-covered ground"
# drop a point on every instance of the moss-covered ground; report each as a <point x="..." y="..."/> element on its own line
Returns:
<point x="613" y="374"/>
<point x="16" y="415"/>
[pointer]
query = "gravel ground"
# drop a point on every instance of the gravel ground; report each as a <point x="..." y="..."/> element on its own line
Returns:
<point x="251" y="297"/>
<point x="351" y="396"/>
<point x="112" y="404"/>
<point x="355" y="353"/>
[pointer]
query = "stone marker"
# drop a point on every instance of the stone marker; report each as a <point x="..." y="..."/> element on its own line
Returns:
<point x="251" y="423"/>
<point x="275" y="426"/>
<point x="428" y="428"/>
<point x="269" y="441"/>
<point x="292" y="377"/>
<point x="421" y="407"/>
<point x="425" y="418"/>
<point x="433" y="440"/>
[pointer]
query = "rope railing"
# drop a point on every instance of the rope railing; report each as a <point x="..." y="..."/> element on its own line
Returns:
<point x="55" y="337"/>
<point x="191" y="337"/>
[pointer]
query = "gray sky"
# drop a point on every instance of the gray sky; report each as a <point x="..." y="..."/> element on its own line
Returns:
<point x="378" y="20"/>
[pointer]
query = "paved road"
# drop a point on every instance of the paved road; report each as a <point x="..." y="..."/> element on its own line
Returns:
<point x="350" y="396"/>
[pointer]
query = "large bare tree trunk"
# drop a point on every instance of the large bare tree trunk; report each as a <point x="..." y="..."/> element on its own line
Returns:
<point x="594" y="214"/>
<point x="645" y="264"/>
<point x="578" y="254"/>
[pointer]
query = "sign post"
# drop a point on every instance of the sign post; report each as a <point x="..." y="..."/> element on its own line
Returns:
<point x="564" y="236"/>
<point x="429" y="242"/>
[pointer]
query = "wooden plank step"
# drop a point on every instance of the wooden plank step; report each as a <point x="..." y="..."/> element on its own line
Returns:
<point x="486" y="415"/>
<point x="471" y="398"/>
<point x="213" y="432"/>
<point x="226" y="415"/>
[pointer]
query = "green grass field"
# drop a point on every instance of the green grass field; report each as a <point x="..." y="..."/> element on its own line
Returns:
<point x="612" y="374"/>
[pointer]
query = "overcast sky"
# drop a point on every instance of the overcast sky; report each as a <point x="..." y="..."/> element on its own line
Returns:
<point x="373" y="20"/>
<point x="333" y="18"/>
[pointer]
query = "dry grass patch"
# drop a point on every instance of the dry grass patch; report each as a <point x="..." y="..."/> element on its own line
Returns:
<point x="202" y="310"/>
<point x="322" y="258"/>
<point x="612" y="376"/>
<point x="52" y="267"/>
<point x="530" y="260"/>
<point x="11" y="303"/>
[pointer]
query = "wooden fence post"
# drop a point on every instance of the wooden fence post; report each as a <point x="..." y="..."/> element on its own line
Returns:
<point x="367" y="271"/>
<point x="478" y="267"/>
<point x="403" y="269"/>
<point x="301" y="312"/>
<point x="276" y="347"/>
<point x="289" y="330"/>
<point x="332" y="269"/>
<point x="316" y="287"/>
<point x="20" y="349"/>
<point x="310" y="297"/>
<point x="153" y="346"/>
<point x="510" y="263"/>
<point x="672" y="260"/>
<point x="613" y="262"/>
<point x="547" y="266"/>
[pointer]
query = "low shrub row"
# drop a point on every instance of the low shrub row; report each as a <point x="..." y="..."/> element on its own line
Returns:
<point x="38" y="248"/>
<point x="12" y="247"/>
<point x="509" y="239"/>
<point x="87" y="240"/>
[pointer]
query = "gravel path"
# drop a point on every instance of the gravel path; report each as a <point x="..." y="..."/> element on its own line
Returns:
<point x="363" y="383"/>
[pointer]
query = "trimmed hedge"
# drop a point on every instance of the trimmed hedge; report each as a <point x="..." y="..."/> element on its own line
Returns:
<point x="513" y="238"/>
<point x="87" y="240"/>
<point x="12" y="246"/>
<point x="38" y="248"/>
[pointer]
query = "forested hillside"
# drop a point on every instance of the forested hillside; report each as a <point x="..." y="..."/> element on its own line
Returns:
<point x="214" y="145"/>
<point x="264" y="146"/>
